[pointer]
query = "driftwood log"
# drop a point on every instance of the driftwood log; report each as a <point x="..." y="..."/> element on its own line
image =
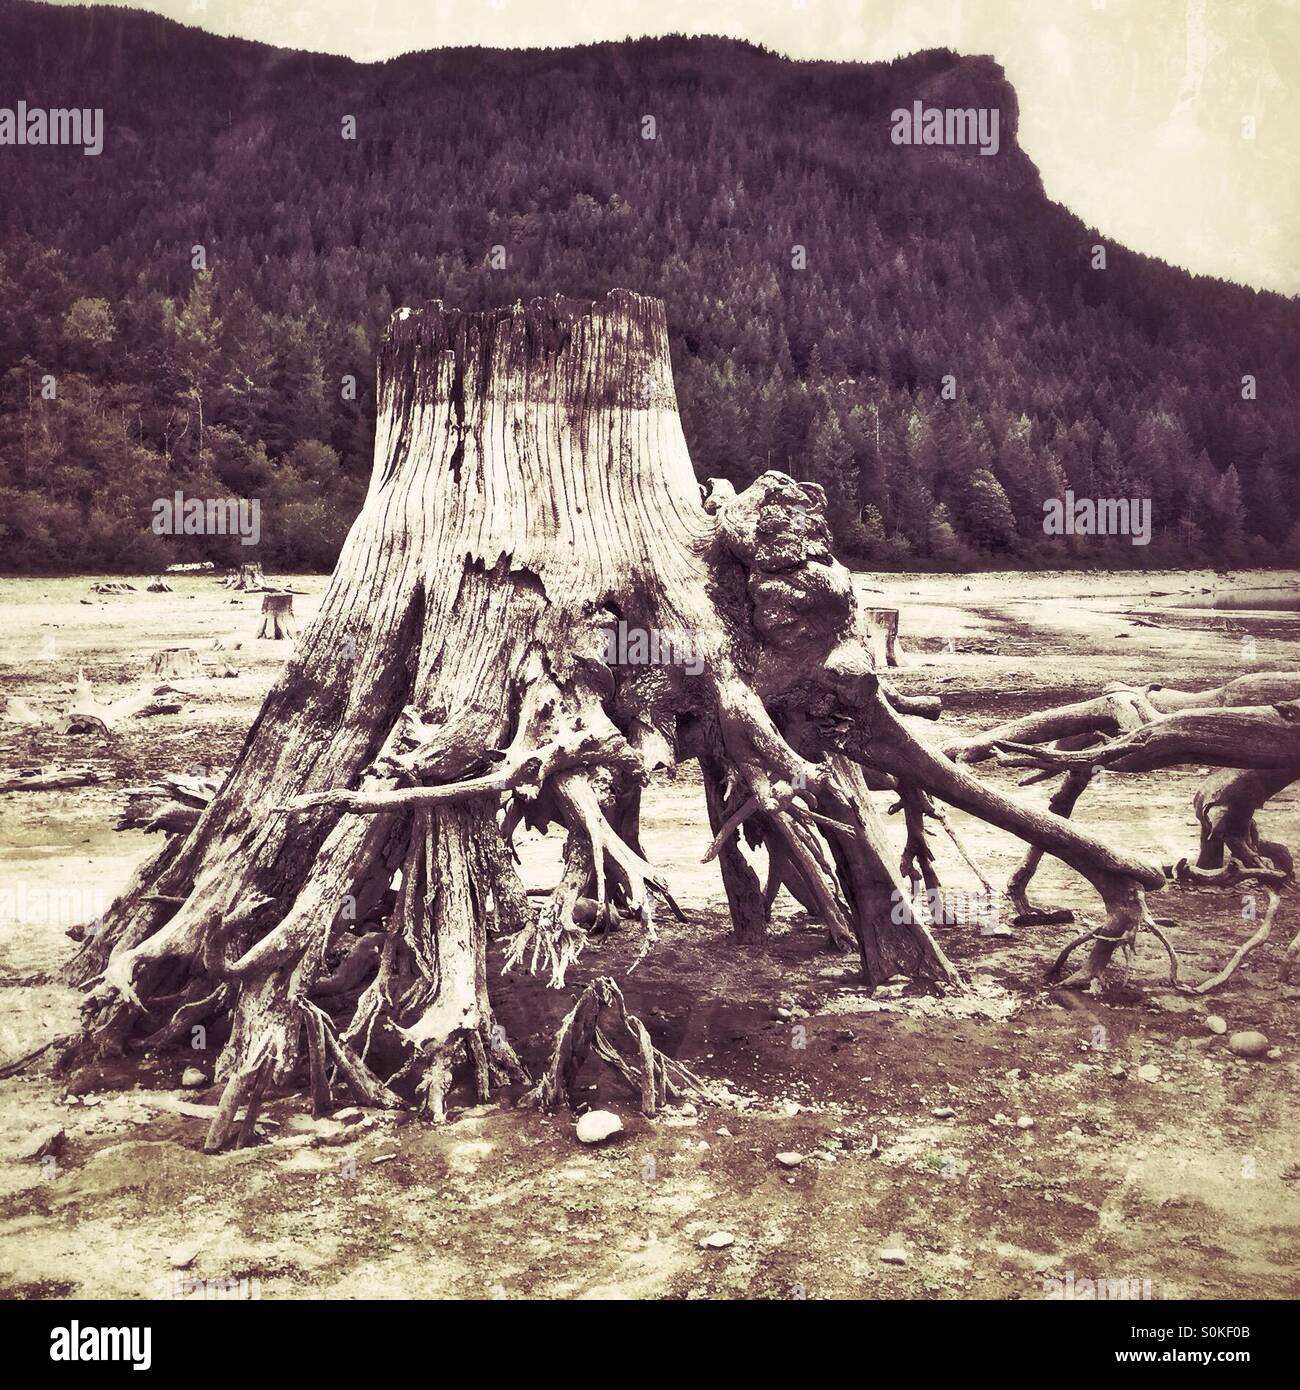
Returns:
<point x="1127" y="728"/>
<point x="86" y="713"/>
<point x="537" y="608"/>
<point x="44" y="779"/>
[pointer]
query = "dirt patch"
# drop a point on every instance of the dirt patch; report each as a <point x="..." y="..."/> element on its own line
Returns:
<point x="1000" y="1141"/>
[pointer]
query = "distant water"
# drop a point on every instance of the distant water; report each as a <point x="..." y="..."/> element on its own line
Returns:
<point x="1280" y="600"/>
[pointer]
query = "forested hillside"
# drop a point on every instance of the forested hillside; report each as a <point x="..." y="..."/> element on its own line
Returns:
<point x="821" y="283"/>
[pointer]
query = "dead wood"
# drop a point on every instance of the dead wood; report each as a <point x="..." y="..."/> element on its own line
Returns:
<point x="534" y="612"/>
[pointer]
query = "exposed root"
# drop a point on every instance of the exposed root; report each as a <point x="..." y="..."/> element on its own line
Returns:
<point x="598" y="1022"/>
<point x="1108" y="939"/>
<point x="1062" y="803"/>
<point x="1258" y="938"/>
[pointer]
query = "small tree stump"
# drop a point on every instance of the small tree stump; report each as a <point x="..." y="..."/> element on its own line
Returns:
<point x="175" y="661"/>
<point x="882" y="623"/>
<point x="160" y="586"/>
<point x="277" y="617"/>
<point x="249" y="577"/>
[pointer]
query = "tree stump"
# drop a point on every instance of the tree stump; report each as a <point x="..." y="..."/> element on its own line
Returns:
<point x="277" y="617"/>
<point x="532" y="613"/>
<point x="175" y="662"/>
<point x="882" y="624"/>
<point x="159" y="586"/>
<point x="248" y="577"/>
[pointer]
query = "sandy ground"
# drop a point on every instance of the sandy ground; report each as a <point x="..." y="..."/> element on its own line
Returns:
<point x="1058" y="1158"/>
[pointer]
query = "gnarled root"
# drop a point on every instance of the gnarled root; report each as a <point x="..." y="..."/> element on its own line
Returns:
<point x="599" y="1022"/>
<point x="1226" y="804"/>
<point x="1062" y="803"/>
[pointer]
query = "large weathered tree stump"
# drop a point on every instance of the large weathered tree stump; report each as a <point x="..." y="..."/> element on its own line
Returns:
<point x="277" y="617"/>
<point x="533" y="612"/>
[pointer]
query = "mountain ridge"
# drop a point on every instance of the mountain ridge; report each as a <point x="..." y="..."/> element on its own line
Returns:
<point x="920" y="264"/>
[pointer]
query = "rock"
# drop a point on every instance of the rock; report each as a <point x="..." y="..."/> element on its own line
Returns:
<point x="183" y="1256"/>
<point x="1025" y="1122"/>
<point x="894" y="1256"/>
<point x="1248" y="1044"/>
<point x="1149" y="1072"/>
<point x="192" y="1079"/>
<point x="719" y="1240"/>
<point x="944" y="1112"/>
<point x="789" y="1159"/>
<point x="1118" y="1071"/>
<point x="598" y="1125"/>
<point x="44" y="1142"/>
<point x="350" y="1115"/>
<point x="1216" y="1024"/>
<point x="1274" y="1054"/>
<point x="314" y="1126"/>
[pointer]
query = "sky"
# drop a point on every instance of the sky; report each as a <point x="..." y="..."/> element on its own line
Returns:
<point x="1172" y="126"/>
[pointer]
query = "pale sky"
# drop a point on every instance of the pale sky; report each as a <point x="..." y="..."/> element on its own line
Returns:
<point x="1173" y="126"/>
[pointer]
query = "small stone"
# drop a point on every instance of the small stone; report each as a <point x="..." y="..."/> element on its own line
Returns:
<point x="350" y="1115"/>
<point x="1274" y="1054"/>
<point x="1248" y="1044"/>
<point x="1118" y="1071"/>
<point x="894" y="1256"/>
<point x="944" y="1112"/>
<point x="1149" y="1072"/>
<point x="1025" y="1122"/>
<point x="44" y="1142"/>
<point x="183" y="1256"/>
<point x="789" y="1159"/>
<point x="193" y="1079"/>
<point x="724" y="1132"/>
<point x="598" y="1125"/>
<point x="719" y="1240"/>
<point x="1216" y="1024"/>
<point x="782" y="1014"/>
<point x="383" y="1158"/>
